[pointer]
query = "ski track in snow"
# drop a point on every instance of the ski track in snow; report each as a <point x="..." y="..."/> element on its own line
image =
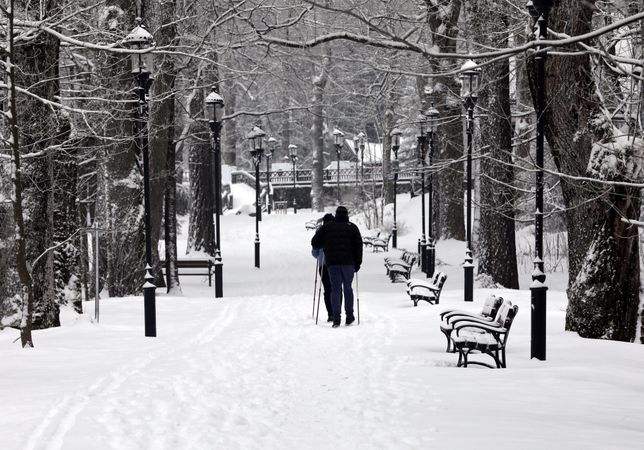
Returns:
<point x="263" y="383"/>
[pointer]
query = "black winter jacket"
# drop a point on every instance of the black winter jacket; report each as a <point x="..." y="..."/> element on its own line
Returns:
<point x="341" y="241"/>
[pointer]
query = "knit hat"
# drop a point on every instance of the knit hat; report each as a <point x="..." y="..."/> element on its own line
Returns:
<point x="328" y="217"/>
<point x="341" y="214"/>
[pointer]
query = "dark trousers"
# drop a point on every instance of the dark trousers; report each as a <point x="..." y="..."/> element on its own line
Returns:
<point x="341" y="278"/>
<point x="326" y="284"/>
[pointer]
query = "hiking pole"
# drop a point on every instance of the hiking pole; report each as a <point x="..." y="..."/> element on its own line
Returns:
<point x="358" y="296"/>
<point x="317" y="263"/>
<point x="317" y="314"/>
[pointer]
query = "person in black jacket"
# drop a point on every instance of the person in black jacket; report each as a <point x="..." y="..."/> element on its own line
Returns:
<point x="324" y="272"/>
<point x="342" y="244"/>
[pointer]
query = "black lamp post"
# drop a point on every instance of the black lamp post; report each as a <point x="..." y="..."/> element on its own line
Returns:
<point x="272" y="143"/>
<point x="432" y="125"/>
<point x="256" y="137"/>
<point x="215" y="112"/>
<point x="470" y="75"/>
<point x="395" y="146"/>
<point x="292" y="153"/>
<point x="422" y="141"/>
<point x="362" y="138"/>
<point x="338" y="137"/>
<point x="141" y="42"/>
<point x="539" y="9"/>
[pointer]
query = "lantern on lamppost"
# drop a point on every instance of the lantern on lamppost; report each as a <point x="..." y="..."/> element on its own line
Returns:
<point x="140" y="42"/>
<point x="395" y="146"/>
<point x="215" y="113"/>
<point x="256" y="139"/>
<point x="470" y="78"/>
<point x="338" y="138"/>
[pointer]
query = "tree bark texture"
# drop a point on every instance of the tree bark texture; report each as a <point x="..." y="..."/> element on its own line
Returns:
<point x="443" y="22"/>
<point x="603" y="258"/>
<point x="122" y="169"/>
<point x="162" y="146"/>
<point x="42" y="130"/>
<point x="496" y="246"/>
<point x="320" y="79"/>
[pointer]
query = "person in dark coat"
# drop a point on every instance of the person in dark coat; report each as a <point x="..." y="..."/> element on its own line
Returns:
<point x="324" y="272"/>
<point x="342" y="244"/>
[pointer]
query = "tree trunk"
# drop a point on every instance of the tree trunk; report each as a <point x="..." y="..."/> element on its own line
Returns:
<point x="320" y="79"/>
<point x="50" y="193"/>
<point x="603" y="257"/>
<point x="122" y="169"/>
<point x="162" y="148"/>
<point x="443" y="23"/>
<point x="496" y="244"/>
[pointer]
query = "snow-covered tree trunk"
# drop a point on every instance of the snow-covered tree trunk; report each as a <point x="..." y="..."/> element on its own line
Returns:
<point x="496" y="241"/>
<point x="603" y="257"/>
<point x="443" y="22"/>
<point x="50" y="192"/>
<point x="162" y="146"/>
<point x="320" y="79"/>
<point x="26" y="294"/>
<point x="201" y="235"/>
<point x="122" y="170"/>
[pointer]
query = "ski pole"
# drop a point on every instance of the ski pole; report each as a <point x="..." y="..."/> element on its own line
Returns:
<point x="317" y="263"/>
<point x="317" y="314"/>
<point x="358" y="297"/>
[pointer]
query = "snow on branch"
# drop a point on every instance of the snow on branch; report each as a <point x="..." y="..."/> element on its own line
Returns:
<point x="617" y="159"/>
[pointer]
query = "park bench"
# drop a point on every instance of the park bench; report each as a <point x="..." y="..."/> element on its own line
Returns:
<point x="397" y="267"/>
<point x="312" y="224"/>
<point x="381" y="243"/>
<point x="429" y="291"/>
<point x="194" y="267"/>
<point x="487" y="315"/>
<point x="489" y="338"/>
<point x="367" y="240"/>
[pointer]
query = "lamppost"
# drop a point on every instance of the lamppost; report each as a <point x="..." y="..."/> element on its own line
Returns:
<point x="539" y="9"/>
<point x="141" y="43"/>
<point x="395" y="146"/>
<point x="422" y="140"/>
<point x="470" y="75"/>
<point x="432" y="125"/>
<point x="292" y="153"/>
<point x="362" y="138"/>
<point x="338" y="137"/>
<point x="215" y="113"/>
<point x="272" y="143"/>
<point x="256" y="137"/>
<point x="356" y="147"/>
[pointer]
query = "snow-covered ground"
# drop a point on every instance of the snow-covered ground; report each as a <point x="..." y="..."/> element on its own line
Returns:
<point x="253" y="370"/>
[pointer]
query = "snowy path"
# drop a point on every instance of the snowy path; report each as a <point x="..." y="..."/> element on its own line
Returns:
<point x="247" y="379"/>
<point x="253" y="370"/>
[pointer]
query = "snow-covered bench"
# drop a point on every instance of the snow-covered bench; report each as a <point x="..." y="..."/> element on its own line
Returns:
<point x="484" y="337"/>
<point x="451" y="316"/>
<point x="397" y="267"/>
<point x="429" y="291"/>
<point x="381" y="243"/>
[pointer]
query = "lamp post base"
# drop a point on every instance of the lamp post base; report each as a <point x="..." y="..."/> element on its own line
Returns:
<point x="219" y="276"/>
<point x="149" y="307"/>
<point x="257" y="252"/>
<point x="431" y="259"/>
<point x="394" y="237"/>
<point x="294" y="207"/>
<point x="538" y="321"/>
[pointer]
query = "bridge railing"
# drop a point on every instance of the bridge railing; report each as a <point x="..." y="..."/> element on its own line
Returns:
<point x="347" y="175"/>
